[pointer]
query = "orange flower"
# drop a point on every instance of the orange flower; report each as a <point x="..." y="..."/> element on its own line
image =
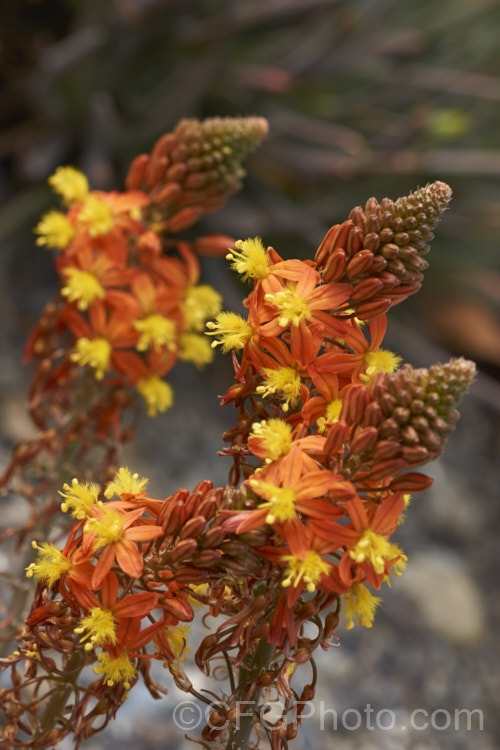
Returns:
<point x="89" y="275"/>
<point x="298" y="306"/>
<point x="294" y="484"/>
<point x="366" y="358"/>
<point x="116" y="530"/>
<point x="98" y="340"/>
<point x="69" y="568"/>
<point x="368" y="555"/>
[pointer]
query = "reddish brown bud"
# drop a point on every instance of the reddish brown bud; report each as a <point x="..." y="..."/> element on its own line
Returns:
<point x="172" y="516"/>
<point x="213" y="244"/>
<point x="411" y="482"/>
<point x="137" y="172"/>
<point x="358" y="217"/>
<point x="366" y="290"/>
<point x="213" y="538"/>
<point x="184" y="218"/>
<point x="359" y="264"/>
<point x="355" y="404"/>
<point x="336" y="438"/>
<point x="193" y="528"/>
<point x="168" y="193"/>
<point x="387" y="468"/>
<point x="415" y="454"/>
<point x="178" y="608"/>
<point x="156" y="171"/>
<point x="207" y="559"/>
<point x="183" y="550"/>
<point x="335" y="266"/>
<point x="364" y="439"/>
<point x="368" y="310"/>
<point x="335" y="238"/>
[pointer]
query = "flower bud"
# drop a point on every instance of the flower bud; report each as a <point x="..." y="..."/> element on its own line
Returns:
<point x="390" y="236"/>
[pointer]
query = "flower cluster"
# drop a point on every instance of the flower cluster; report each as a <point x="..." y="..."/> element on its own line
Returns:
<point x="131" y="300"/>
<point x="329" y="432"/>
<point x="129" y="558"/>
<point x="130" y="303"/>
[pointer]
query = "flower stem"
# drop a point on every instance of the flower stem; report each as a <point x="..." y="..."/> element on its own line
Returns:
<point x="258" y="663"/>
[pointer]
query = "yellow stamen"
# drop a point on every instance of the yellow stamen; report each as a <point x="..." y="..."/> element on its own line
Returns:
<point x="380" y="361"/>
<point x="407" y="501"/>
<point x="80" y="498"/>
<point x="100" y="626"/>
<point x="276" y="436"/>
<point x="375" y="549"/>
<point x="251" y="260"/>
<point x="94" y="352"/>
<point x="333" y="410"/>
<point x="55" y="230"/>
<point x="125" y="483"/>
<point x="70" y="183"/>
<point x="177" y="640"/>
<point x="232" y="330"/>
<point x="108" y="528"/>
<point x="194" y="347"/>
<point x="311" y="569"/>
<point x="51" y="564"/>
<point x="281" y="501"/>
<point x="292" y="306"/>
<point x="119" y="670"/>
<point x="360" y="606"/>
<point x="157" y="330"/>
<point x="201" y="302"/>
<point x="97" y="215"/>
<point x="82" y="287"/>
<point x="157" y="394"/>
<point x="284" y="381"/>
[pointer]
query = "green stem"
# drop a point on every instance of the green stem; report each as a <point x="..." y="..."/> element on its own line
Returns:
<point x="240" y="735"/>
<point x="59" y="698"/>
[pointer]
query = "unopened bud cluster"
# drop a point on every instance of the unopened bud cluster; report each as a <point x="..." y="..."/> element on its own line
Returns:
<point x="379" y="248"/>
<point x="194" y="169"/>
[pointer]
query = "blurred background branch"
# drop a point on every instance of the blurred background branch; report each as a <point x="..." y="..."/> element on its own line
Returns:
<point x="363" y="97"/>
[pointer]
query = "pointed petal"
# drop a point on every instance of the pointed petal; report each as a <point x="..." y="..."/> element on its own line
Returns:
<point x="104" y="564"/>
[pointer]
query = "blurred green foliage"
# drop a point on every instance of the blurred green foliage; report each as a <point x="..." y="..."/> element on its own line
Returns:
<point x="364" y="97"/>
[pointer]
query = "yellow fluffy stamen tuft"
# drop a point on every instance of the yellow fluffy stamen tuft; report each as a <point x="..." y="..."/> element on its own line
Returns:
<point x="157" y="394"/>
<point x="125" y="483"/>
<point x="250" y="259"/>
<point x="310" y="570"/>
<point x="232" y="331"/>
<point x="284" y="381"/>
<point x="119" y="670"/>
<point x="276" y="437"/>
<point x="97" y="215"/>
<point x="201" y="302"/>
<point x="51" y="564"/>
<point x="280" y="503"/>
<point x="108" y="528"/>
<point x="194" y="347"/>
<point x="155" y="330"/>
<point x="94" y="352"/>
<point x="382" y="360"/>
<point x="292" y="307"/>
<point x="55" y="230"/>
<point x="360" y="606"/>
<point x="100" y="626"/>
<point x="82" y="287"/>
<point x="80" y="498"/>
<point x="69" y="183"/>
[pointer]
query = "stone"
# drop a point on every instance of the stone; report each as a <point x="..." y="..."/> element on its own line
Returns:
<point x="447" y="598"/>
